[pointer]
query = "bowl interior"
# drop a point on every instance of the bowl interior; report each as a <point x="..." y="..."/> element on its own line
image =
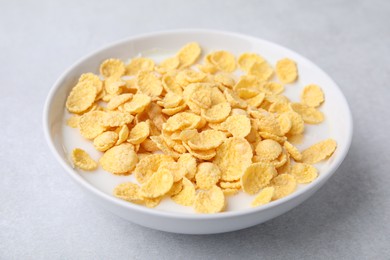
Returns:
<point x="63" y="139"/>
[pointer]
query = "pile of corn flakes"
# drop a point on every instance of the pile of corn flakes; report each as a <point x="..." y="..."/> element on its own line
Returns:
<point x="197" y="133"/>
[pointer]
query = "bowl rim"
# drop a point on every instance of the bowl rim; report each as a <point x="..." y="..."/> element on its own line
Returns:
<point x="179" y="215"/>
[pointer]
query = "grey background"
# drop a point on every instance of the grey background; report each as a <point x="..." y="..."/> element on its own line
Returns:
<point x="44" y="215"/>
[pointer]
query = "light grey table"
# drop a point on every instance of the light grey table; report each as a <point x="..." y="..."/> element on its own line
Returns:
<point x="44" y="215"/>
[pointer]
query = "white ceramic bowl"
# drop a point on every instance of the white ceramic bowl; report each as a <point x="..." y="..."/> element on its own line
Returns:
<point x="338" y="126"/>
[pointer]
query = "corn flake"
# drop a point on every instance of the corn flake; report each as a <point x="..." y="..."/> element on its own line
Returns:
<point x="268" y="150"/>
<point x="82" y="160"/>
<point x="284" y="184"/>
<point x="286" y="70"/>
<point x="81" y="97"/>
<point x="256" y="177"/>
<point x="158" y="184"/>
<point x="319" y="151"/>
<point x="128" y="191"/>
<point x="105" y="141"/>
<point x="210" y="201"/>
<point x="206" y="140"/>
<point x="137" y="104"/>
<point x="264" y="197"/>
<point x="119" y="159"/>
<point x="148" y="165"/>
<point x="186" y="196"/>
<point x="89" y="124"/>
<point x="233" y="157"/>
<point x="246" y="60"/>
<point x="207" y="175"/>
<point x="139" y="133"/>
<point x="310" y="115"/>
<point x="149" y="84"/>
<point x="238" y="125"/>
<point x="189" y="54"/>
<point x="139" y="64"/>
<point x="312" y="96"/>
<point x="112" y="68"/>
<point x="304" y="173"/>
<point x="223" y="61"/>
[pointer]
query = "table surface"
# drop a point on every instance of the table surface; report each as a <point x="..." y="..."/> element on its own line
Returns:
<point x="44" y="215"/>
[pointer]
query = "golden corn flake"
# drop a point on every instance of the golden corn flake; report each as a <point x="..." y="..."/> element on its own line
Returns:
<point x="139" y="64"/>
<point x="210" y="201"/>
<point x="256" y="177"/>
<point x="170" y="85"/>
<point x="123" y="134"/>
<point x="92" y="79"/>
<point x="312" y="96"/>
<point x="206" y="140"/>
<point x="268" y="150"/>
<point x="279" y="139"/>
<point x="186" y="196"/>
<point x="139" y="133"/>
<point x="223" y="61"/>
<point x="264" y="197"/>
<point x="113" y="86"/>
<point x="128" y="191"/>
<point x="293" y="151"/>
<point x="116" y="101"/>
<point x="279" y="107"/>
<point x="286" y="70"/>
<point x="182" y="121"/>
<point x="81" y="97"/>
<point x="272" y="88"/>
<point x="304" y="173"/>
<point x="319" y="151"/>
<point x="256" y="100"/>
<point x="112" y="68"/>
<point x="225" y="79"/>
<point x="176" y="188"/>
<point x="73" y="121"/>
<point x="177" y="170"/>
<point x="175" y="110"/>
<point x="158" y="184"/>
<point x="148" y="165"/>
<point x="105" y="141"/>
<point x="149" y="84"/>
<point x="284" y="184"/>
<point x="284" y="123"/>
<point x="230" y="192"/>
<point x="234" y="100"/>
<point x="207" y="175"/>
<point x="297" y="123"/>
<point x="233" y="157"/>
<point x="82" y="160"/>
<point x="90" y="126"/>
<point x="262" y="70"/>
<point x="189" y="162"/>
<point x="217" y="113"/>
<point x="171" y="100"/>
<point x="310" y="115"/>
<point x="230" y="184"/>
<point x="152" y="202"/>
<point x="137" y="104"/>
<point x="116" y="118"/>
<point x="201" y="154"/>
<point x="238" y="125"/>
<point x="119" y="159"/>
<point x="189" y="54"/>
<point x="164" y="147"/>
<point x="247" y="81"/>
<point x="202" y="97"/>
<point x="168" y="64"/>
<point x="246" y="60"/>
